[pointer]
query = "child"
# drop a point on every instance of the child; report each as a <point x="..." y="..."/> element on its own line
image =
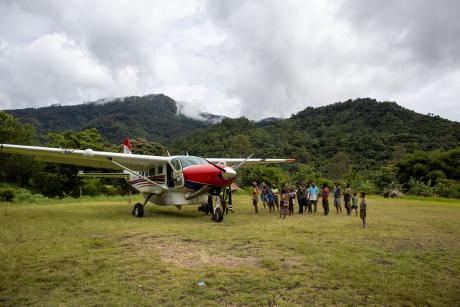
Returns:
<point x="284" y="204"/>
<point x="354" y="203"/>
<point x="309" y="208"/>
<point x="362" y="209"/>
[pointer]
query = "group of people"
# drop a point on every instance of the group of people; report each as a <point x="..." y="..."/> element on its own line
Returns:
<point x="285" y="199"/>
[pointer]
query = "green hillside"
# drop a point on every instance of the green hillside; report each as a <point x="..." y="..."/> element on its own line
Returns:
<point x="364" y="133"/>
<point x="373" y="145"/>
<point x="153" y="117"/>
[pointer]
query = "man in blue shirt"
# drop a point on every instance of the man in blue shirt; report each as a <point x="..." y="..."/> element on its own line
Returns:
<point x="337" y="204"/>
<point x="313" y="191"/>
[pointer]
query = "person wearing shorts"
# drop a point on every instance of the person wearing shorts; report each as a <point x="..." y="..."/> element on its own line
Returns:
<point x="284" y="204"/>
<point x="337" y="204"/>
<point x="255" y="196"/>
<point x="354" y="203"/>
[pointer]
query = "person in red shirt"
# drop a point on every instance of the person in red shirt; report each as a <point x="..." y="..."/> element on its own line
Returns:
<point x="325" y="196"/>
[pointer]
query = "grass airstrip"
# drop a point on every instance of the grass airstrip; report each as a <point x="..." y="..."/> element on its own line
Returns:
<point x="93" y="252"/>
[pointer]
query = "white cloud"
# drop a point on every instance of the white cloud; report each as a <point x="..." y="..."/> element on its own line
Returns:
<point x="258" y="59"/>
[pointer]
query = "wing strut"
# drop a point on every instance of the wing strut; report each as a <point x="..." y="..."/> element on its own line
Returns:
<point x="136" y="174"/>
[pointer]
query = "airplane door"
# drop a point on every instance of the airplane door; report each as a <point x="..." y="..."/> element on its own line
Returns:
<point x="178" y="175"/>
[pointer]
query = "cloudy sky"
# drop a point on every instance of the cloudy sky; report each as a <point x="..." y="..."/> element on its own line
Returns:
<point x="254" y="58"/>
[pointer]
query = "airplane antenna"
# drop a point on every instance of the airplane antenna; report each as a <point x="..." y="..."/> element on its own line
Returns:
<point x="186" y="152"/>
<point x="169" y="155"/>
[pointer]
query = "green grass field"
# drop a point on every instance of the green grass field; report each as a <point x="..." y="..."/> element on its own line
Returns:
<point x="96" y="253"/>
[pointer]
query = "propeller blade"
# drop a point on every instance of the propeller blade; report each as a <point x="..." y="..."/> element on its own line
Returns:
<point x="217" y="166"/>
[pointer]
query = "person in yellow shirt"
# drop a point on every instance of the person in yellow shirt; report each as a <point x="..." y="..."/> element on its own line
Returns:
<point x="255" y="196"/>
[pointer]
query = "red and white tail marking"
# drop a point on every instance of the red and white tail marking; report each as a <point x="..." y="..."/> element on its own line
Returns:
<point x="127" y="149"/>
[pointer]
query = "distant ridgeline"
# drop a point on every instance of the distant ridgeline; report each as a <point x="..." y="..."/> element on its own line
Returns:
<point x="364" y="133"/>
<point x="154" y="117"/>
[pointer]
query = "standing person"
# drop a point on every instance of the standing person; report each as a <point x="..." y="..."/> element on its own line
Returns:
<point x="325" y="198"/>
<point x="262" y="195"/>
<point x="337" y="204"/>
<point x="347" y="199"/>
<point x="313" y="190"/>
<point x="363" y="209"/>
<point x="307" y="199"/>
<point x="276" y="194"/>
<point x="301" y="194"/>
<point x="284" y="204"/>
<point x="270" y="198"/>
<point x="255" y="196"/>
<point x="292" y="197"/>
<point x="354" y="203"/>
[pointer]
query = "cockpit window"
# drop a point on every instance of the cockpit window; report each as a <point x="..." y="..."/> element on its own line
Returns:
<point x="188" y="161"/>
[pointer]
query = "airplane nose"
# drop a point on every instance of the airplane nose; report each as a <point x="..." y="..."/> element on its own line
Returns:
<point x="229" y="173"/>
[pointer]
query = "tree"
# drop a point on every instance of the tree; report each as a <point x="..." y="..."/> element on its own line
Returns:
<point x="338" y="165"/>
<point x="241" y="145"/>
<point x="61" y="179"/>
<point x="386" y="177"/>
<point x="89" y="138"/>
<point x="142" y="146"/>
<point x="14" y="168"/>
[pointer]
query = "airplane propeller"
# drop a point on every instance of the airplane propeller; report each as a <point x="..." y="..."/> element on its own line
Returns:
<point x="228" y="173"/>
<point x="215" y="165"/>
<point x="242" y="162"/>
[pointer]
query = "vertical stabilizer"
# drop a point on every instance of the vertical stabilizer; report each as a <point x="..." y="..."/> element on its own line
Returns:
<point x="127" y="149"/>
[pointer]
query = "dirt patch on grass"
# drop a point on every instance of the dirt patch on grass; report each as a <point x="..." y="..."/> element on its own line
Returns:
<point x="185" y="252"/>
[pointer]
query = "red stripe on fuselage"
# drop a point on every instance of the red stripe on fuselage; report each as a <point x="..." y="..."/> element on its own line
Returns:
<point x="158" y="178"/>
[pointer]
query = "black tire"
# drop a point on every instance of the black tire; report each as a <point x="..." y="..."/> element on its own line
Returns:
<point x="218" y="215"/>
<point x="138" y="210"/>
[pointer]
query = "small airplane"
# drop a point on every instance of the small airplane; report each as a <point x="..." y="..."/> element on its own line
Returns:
<point x="162" y="180"/>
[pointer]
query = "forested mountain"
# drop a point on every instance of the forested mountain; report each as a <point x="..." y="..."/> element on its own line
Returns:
<point x="372" y="145"/>
<point x="363" y="133"/>
<point x="154" y="117"/>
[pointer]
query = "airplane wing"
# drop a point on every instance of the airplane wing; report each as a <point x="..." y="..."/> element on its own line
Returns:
<point x="87" y="157"/>
<point x="249" y="162"/>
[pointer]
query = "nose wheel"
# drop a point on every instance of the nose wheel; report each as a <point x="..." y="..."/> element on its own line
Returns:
<point x="218" y="212"/>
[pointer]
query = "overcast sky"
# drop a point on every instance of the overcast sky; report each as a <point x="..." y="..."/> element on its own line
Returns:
<point x="253" y="58"/>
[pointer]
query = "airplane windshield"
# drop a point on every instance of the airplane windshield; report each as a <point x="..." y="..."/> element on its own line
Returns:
<point x="190" y="160"/>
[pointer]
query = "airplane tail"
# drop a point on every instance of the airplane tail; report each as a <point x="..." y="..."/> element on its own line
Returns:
<point x="127" y="148"/>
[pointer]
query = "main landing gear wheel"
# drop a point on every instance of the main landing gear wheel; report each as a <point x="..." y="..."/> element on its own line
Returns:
<point x="138" y="210"/>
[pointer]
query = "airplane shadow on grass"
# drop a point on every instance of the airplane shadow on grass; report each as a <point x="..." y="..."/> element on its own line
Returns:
<point x="150" y="212"/>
